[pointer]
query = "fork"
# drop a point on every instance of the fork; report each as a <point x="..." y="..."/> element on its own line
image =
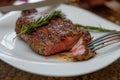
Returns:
<point x="104" y="41"/>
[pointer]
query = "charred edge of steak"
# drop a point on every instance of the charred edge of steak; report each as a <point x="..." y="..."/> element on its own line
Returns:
<point x="28" y="12"/>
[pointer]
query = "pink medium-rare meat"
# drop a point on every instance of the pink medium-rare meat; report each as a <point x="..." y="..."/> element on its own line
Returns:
<point x="80" y="50"/>
<point x="60" y="34"/>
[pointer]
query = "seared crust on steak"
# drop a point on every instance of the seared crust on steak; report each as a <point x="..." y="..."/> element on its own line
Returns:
<point x="60" y="34"/>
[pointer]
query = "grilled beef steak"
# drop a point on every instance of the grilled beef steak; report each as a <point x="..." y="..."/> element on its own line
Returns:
<point x="60" y="34"/>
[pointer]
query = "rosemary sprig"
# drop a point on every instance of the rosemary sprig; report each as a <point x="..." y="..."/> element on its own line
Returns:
<point x="40" y="22"/>
<point x="93" y="28"/>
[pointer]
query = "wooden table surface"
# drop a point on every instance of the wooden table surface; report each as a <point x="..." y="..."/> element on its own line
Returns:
<point x="111" y="72"/>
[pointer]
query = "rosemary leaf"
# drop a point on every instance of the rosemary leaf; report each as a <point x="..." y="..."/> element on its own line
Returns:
<point x="93" y="28"/>
<point x="40" y="22"/>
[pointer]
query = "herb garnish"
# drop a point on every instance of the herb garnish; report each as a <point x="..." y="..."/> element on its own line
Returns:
<point x="40" y="22"/>
<point x="92" y="28"/>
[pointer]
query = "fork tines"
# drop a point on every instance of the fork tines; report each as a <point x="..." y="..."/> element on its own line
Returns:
<point x="105" y="40"/>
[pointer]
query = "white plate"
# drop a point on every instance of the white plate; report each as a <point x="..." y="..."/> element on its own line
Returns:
<point x="18" y="54"/>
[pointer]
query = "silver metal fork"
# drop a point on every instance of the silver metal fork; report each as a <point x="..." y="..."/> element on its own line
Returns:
<point x="104" y="41"/>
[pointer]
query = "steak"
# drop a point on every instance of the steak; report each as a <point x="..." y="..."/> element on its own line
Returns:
<point x="59" y="35"/>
